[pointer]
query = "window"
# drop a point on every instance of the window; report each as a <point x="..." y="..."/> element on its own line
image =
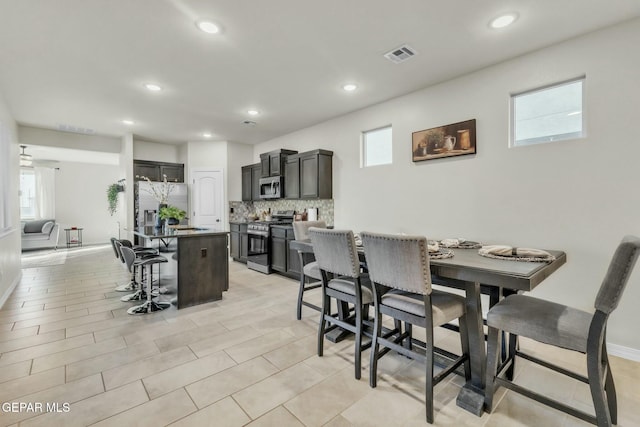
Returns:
<point x="377" y="147"/>
<point x="552" y="113"/>
<point x="27" y="194"/>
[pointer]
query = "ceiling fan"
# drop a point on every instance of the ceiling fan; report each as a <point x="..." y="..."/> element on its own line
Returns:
<point x="26" y="160"/>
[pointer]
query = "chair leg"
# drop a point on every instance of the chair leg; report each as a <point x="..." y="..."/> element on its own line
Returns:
<point x="408" y="328"/>
<point x="493" y="352"/>
<point x="429" y="375"/>
<point x="326" y="306"/>
<point x="513" y="345"/>
<point x="300" y="293"/>
<point x="358" y="344"/>
<point x="610" y="388"/>
<point x="375" y="347"/>
<point x="596" y="384"/>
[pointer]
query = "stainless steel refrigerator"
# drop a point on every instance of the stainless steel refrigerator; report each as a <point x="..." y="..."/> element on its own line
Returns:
<point x="146" y="206"/>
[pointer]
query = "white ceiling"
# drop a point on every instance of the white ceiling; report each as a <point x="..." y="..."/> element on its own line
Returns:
<point x="83" y="63"/>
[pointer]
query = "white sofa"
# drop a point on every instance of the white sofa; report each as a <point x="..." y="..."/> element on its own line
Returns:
<point x="39" y="234"/>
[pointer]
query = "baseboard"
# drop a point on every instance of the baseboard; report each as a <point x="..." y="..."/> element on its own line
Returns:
<point x="7" y="294"/>
<point x="624" y="352"/>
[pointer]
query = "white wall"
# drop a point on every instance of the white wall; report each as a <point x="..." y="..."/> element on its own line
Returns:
<point x="238" y="155"/>
<point x="53" y="138"/>
<point x="10" y="245"/>
<point x="81" y="201"/>
<point x="155" y="151"/>
<point x="579" y="196"/>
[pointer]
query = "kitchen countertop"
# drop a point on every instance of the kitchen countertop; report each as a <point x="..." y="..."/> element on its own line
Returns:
<point x="159" y="233"/>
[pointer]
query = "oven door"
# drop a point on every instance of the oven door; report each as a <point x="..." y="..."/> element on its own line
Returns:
<point x="258" y="257"/>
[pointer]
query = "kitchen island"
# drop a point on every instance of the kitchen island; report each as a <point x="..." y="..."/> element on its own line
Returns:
<point x="201" y="262"/>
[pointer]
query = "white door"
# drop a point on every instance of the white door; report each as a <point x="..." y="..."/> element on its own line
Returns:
<point x="206" y="200"/>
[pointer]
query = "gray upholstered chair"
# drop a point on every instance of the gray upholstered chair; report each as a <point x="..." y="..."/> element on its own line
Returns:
<point x="337" y="257"/>
<point x="401" y="279"/>
<point x="568" y="328"/>
<point x="310" y="277"/>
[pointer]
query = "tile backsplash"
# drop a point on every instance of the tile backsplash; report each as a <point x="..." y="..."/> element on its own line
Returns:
<point x="242" y="209"/>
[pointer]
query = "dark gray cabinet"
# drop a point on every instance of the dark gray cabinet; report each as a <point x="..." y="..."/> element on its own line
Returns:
<point x="239" y="241"/>
<point x="247" y="195"/>
<point x="255" y="182"/>
<point x="284" y="260"/>
<point x="272" y="163"/>
<point x="251" y="182"/>
<point x="292" y="177"/>
<point x="309" y="175"/>
<point x="279" y="250"/>
<point x="155" y="171"/>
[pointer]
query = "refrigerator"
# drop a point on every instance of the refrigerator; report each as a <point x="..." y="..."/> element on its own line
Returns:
<point x="146" y="206"/>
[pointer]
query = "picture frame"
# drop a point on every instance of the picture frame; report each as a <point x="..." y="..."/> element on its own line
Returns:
<point x="456" y="139"/>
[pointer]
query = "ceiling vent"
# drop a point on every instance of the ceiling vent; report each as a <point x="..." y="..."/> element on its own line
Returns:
<point x="400" y="54"/>
<point x="75" y="129"/>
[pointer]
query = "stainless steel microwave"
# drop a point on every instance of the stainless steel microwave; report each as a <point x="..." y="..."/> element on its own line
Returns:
<point x="271" y="187"/>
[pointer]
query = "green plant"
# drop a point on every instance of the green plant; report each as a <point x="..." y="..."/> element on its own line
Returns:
<point x="172" y="212"/>
<point x="112" y="197"/>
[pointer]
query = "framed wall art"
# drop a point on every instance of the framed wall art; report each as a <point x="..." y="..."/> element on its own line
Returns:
<point x="457" y="139"/>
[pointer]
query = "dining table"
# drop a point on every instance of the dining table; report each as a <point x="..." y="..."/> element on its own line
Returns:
<point x="476" y="275"/>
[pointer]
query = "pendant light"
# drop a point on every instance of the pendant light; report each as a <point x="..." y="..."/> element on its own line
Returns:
<point x="25" y="159"/>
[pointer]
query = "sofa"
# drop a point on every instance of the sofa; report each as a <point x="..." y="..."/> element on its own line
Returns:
<point x="38" y="234"/>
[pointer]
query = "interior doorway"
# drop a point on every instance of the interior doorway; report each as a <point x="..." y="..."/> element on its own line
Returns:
<point x="207" y="191"/>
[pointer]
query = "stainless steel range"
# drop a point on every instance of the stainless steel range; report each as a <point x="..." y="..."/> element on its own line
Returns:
<point x="259" y="233"/>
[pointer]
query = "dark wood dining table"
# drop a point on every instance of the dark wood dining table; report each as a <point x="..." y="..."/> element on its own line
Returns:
<point x="475" y="274"/>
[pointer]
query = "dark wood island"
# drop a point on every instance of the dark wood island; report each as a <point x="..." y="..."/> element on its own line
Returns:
<point x="201" y="258"/>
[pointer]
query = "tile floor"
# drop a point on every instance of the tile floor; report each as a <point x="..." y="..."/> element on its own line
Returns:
<point x="66" y="340"/>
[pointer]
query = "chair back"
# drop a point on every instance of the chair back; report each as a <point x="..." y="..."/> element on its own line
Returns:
<point x="301" y="228"/>
<point x="129" y="256"/>
<point x="335" y="251"/>
<point x="620" y="268"/>
<point x="400" y="262"/>
<point x="115" y="248"/>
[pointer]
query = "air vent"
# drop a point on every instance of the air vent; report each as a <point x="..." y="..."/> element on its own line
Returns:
<point x="75" y="129"/>
<point x="400" y="54"/>
<point x="249" y="123"/>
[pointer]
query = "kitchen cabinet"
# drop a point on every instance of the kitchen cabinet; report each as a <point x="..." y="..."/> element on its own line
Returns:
<point x="239" y="241"/>
<point x="279" y="249"/>
<point x="155" y="171"/>
<point x="284" y="260"/>
<point x="251" y="182"/>
<point x="272" y="163"/>
<point x="255" y="182"/>
<point x="247" y="195"/>
<point x="309" y="175"/>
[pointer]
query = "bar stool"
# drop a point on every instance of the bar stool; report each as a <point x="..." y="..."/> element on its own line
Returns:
<point x="146" y="263"/>
<point x="310" y="270"/>
<point x="139" y="251"/>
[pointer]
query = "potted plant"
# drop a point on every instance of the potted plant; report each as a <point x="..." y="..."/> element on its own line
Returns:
<point x="112" y="197"/>
<point x="172" y="214"/>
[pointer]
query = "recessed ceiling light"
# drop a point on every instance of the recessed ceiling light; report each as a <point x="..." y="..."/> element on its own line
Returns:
<point x="128" y="122"/>
<point x="206" y="135"/>
<point x="253" y="112"/>
<point x="503" y="20"/>
<point x="208" y="27"/>
<point x="152" y="87"/>
<point x="349" y="87"/>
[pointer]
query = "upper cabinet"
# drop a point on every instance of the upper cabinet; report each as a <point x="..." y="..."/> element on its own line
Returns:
<point x="155" y="171"/>
<point x="272" y="163"/>
<point x="251" y="182"/>
<point x="309" y="175"/>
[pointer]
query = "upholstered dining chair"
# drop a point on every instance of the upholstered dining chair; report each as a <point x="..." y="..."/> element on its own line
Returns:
<point x="565" y="327"/>
<point x="310" y="278"/>
<point x="336" y="255"/>
<point x="401" y="280"/>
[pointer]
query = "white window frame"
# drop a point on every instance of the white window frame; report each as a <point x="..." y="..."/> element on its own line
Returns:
<point x="363" y="146"/>
<point x="551" y="138"/>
